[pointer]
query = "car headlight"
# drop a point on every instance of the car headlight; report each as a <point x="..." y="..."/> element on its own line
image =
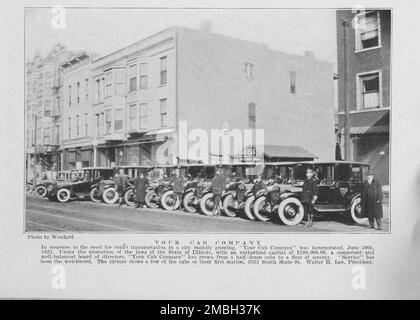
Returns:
<point x="50" y="188"/>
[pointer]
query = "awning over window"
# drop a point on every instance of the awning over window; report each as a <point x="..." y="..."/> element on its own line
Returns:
<point x="374" y="122"/>
<point x="284" y="152"/>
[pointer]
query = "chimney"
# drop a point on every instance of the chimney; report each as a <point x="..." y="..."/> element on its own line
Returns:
<point x="309" y="54"/>
<point x="205" y="26"/>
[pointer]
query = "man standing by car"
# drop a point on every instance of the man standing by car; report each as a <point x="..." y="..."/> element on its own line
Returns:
<point x="141" y="184"/>
<point x="309" y="195"/>
<point x="372" y="200"/>
<point x="218" y="185"/>
<point x="121" y="185"/>
<point x="177" y="182"/>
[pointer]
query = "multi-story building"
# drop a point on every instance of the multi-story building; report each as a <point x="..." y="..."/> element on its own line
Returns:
<point x="364" y="59"/>
<point x="125" y="108"/>
<point x="43" y="109"/>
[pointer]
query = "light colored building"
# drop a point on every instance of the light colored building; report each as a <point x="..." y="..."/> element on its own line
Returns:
<point x="42" y="114"/>
<point x="138" y="95"/>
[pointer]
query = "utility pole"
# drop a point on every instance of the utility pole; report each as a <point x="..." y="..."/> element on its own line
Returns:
<point x="346" y="109"/>
<point x="35" y="142"/>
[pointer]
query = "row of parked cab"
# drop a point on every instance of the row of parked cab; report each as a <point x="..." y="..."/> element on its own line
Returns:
<point x="262" y="192"/>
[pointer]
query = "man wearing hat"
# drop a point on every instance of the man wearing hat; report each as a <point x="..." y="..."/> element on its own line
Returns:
<point x="372" y="200"/>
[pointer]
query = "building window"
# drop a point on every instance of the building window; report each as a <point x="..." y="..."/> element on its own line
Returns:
<point x="163" y="113"/>
<point x="101" y="123"/>
<point x="98" y="89"/>
<point x="86" y="90"/>
<point x="133" y="78"/>
<point x="78" y="92"/>
<point x="108" y="122"/>
<point x="97" y="124"/>
<point x="69" y="127"/>
<point x="143" y="75"/>
<point x="119" y="83"/>
<point x="69" y="96"/>
<point x="46" y="136"/>
<point x="249" y="71"/>
<point x="133" y="116"/>
<point x="367" y="32"/>
<point x="369" y="90"/>
<point x="108" y="84"/>
<point x="143" y="115"/>
<point x="77" y="125"/>
<point x="47" y="108"/>
<point x="118" y="121"/>
<point x="252" y="116"/>
<point x="293" y="82"/>
<point x="57" y="135"/>
<point x="163" y="71"/>
<point x="86" y="124"/>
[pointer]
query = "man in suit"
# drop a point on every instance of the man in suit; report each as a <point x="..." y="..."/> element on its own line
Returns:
<point x="372" y="200"/>
<point x="218" y="185"/>
<point x="309" y="195"/>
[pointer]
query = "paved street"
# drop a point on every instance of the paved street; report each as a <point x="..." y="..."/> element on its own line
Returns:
<point x="43" y="215"/>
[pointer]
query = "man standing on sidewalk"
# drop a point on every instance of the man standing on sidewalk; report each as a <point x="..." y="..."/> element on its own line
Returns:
<point x="177" y="182"/>
<point x="218" y="185"/>
<point x="309" y="195"/>
<point x="372" y="200"/>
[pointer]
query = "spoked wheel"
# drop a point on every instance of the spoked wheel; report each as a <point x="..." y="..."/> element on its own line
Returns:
<point x="248" y="208"/>
<point x="291" y="211"/>
<point x="261" y="210"/>
<point x="63" y="195"/>
<point x="41" y="191"/>
<point x="356" y="212"/>
<point x="95" y="195"/>
<point x="110" y="196"/>
<point x="168" y="201"/>
<point x="28" y="188"/>
<point x="228" y="206"/>
<point x="151" y="199"/>
<point x="207" y="205"/>
<point x="188" y="202"/>
<point x="129" y="198"/>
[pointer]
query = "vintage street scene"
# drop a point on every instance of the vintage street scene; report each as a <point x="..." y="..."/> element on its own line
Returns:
<point x="207" y="121"/>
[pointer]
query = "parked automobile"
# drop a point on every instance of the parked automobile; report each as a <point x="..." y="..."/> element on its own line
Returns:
<point x="339" y="191"/>
<point x="277" y="177"/>
<point x="88" y="183"/>
<point x="200" y="180"/>
<point x="239" y="188"/>
<point x="41" y="188"/>
<point x="133" y="172"/>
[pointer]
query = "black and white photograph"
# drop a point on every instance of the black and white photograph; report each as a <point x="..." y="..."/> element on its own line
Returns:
<point x="207" y="120"/>
<point x="251" y="150"/>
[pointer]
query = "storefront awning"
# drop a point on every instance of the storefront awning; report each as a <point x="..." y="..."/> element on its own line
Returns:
<point x="280" y="151"/>
<point x="373" y="122"/>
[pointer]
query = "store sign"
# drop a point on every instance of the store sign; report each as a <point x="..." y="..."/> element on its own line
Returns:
<point x="250" y="154"/>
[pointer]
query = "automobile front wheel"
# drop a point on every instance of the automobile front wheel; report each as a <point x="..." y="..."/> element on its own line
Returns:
<point x="151" y="199"/>
<point x="188" y="202"/>
<point x="291" y="211"/>
<point x="228" y="206"/>
<point x="168" y="201"/>
<point x="356" y="212"/>
<point x="63" y="195"/>
<point x="248" y="208"/>
<point x="110" y="196"/>
<point x="207" y="205"/>
<point x="95" y="195"/>
<point x="129" y="198"/>
<point x="261" y="212"/>
<point x="41" y="191"/>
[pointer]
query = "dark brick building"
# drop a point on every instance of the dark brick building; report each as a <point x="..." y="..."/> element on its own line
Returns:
<point x="365" y="39"/>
